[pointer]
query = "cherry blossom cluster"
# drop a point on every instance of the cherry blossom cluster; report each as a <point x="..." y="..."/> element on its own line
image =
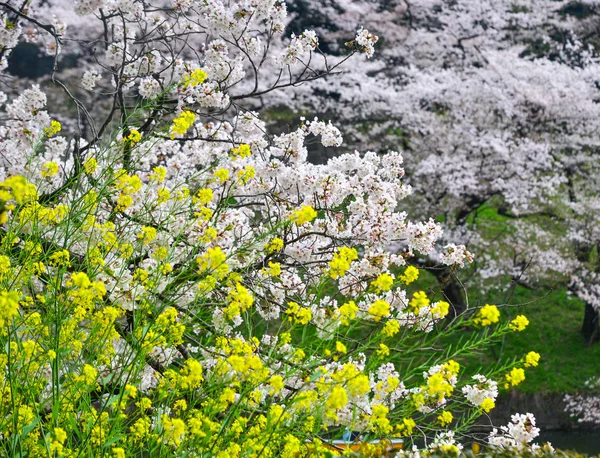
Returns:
<point x="497" y="107"/>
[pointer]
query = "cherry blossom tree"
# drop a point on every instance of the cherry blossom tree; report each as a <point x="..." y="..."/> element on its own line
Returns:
<point x="496" y="105"/>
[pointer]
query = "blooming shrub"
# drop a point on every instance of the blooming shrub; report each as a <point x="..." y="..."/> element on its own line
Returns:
<point x="181" y="283"/>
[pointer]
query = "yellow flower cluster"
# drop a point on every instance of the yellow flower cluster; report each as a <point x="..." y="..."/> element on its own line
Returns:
<point x="418" y="300"/>
<point x="445" y="418"/>
<point x="84" y="293"/>
<point x="341" y="261"/>
<point x="57" y="444"/>
<point x="163" y="196"/>
<point x="190" y="377"/>
<point x="303" y="215"/>
<point x="168" y="329"/>
<point x="246" y="174"/>
<point x="15" y="190"/>
<point x="239" y="299"/>
<point x="49" y="169"/>
<point x="88" y="375"/>
<point x="515" y="376"/>
<point x="383" y="282"/>
<point x="158" y="174"/>
<point x="182" y="123"/>
<point x="195" y="78"/>
<point x="60" y="258"/>
<point x="274" y="245"/>
<point x="532" y="359"/>
<point x="405" y="428"/>
<point x="9" y="308"/>
<point x="487" y="315"/>
<point x="488" y="404"/>
<point x="90" y="165"/>
<point x="134" y="137"/>
<point x="297" y="314"/>
<point x="440" y="309"/>
<point x="241" y="357"/>
<point x="213" y="262"/>
<point x="221" y="174"/>
<point x="410" y="275"/>
<point x="379" y="421"/>
<point x="519" y="323"/>
<point x="203" y="196"/>
<point x="127" y="185"/>
<point x="55" y="127"/>
<point x="147" y="234"/>
<point x="439" y="383"/>
<point x="241" y="151"/>
<point x="379" y="309"/>
<point x="391" y="328"/>
<point x="383" y="351"/>
<point x="338" y="398"/>
<point x="173" y="430"/>
<point x="348" y="312"/>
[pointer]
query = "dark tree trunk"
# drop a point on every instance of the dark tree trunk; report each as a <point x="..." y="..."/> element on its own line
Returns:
<point x="590" y="329"/>
<point x="451" y="289"/>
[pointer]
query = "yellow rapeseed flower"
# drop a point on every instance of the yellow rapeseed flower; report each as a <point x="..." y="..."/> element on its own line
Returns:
<point x="195" y="78"/>
<point x="241" y="151"/>
<point x="297" y="314"/>
<point x="391" y="328"/>
<point x="304" y="215"/>
<point x="383" y="351"/>
<point x="532" y="359"/>
<point x="90" y="165"/>
<point x="338" y="398"/>
<point x="221" y="174"/>
<point x="383" y="282"/>
<point x="379" y="309"/>
<point x="134" y="137"/>
<point x="9" y="307"/>
<point x="147" y="234"/>
<point x="418" y="301"/>
<point x="182" y="123"/>
<point x="516" y="376"/>
<point x="55" y="127"/>
<point x="445" y="418"/>
<point x="274" y="245"/>
<point x="49" y="169"/>
<point x="519" y="323"/>
<point x="276" y="383"/>
<point x="158" y="174"/>
<point x="410" y="275"/>
<point x="440" y="309"/>
<point x="348" y="312"/>
<point x="488" y="404"/>
<point x="341" y="261"/>
<point x="487" y="315"/>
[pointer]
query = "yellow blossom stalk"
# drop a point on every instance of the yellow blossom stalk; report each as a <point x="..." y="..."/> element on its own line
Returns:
<point x="304" y="215"/>
<point x="379" y="309"/>
<point x="519" y="323"/>
<point x="55" y="127"/>
<point x="532" y="359"/>
<point x="515" y="376"/>
<point x="182" y="123"/>
<point x="49" y="169"/>
<point x="487" y="315"/>
<point x="410" y="275"/>
<point x="195" y="78"/>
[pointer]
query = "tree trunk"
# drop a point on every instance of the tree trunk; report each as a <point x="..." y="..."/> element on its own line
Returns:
<point x="451" y="289"/>
<point x="590" y="329"/>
